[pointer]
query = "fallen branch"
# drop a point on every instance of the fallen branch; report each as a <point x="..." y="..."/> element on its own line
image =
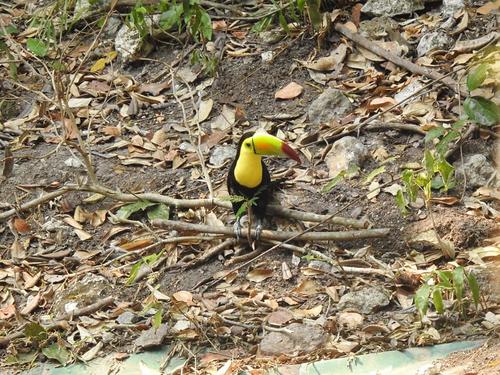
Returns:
<point x="182" y="203"/>
<point x="396" y="126"/>
<point x="404" y="63"/>
<point x="4" y="341"/>
<point x="275" y="235"/>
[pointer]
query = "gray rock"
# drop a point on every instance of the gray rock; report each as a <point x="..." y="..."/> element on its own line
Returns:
<point x="152" y="337"/>
<point x="221" y="154"/>
<point x="391" y="7"/>
<point x="304" y="338"/>
<point x="478" y="171"/>
<point x="87" y="291"/>
<point x="365" y="300"/>
<point x="271" y="36"/>
<point x="127" y="317"/>
<point x="326" y="107"/>
<point x="346" y="153"/>
<point x="378" y="27"/>
<point x="449" y="7"/>
<point x="434" y="40"/>
<point x="112" y="26"/>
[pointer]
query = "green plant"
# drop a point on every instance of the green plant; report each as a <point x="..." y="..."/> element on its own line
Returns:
<point x="148" y="260"/>
<point x="187" y="15"/>
<point x="442" y="286"/>
<point x="293" y="10"/>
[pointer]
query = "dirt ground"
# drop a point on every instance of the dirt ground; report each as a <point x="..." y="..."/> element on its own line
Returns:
<point x="248" y="83"/>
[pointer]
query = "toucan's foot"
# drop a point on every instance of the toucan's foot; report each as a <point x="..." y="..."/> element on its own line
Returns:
<point x="237" y="229"/>
<point x="258" y="229"/>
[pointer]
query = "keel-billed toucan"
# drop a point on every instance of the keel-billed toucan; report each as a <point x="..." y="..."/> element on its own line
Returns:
<point x="248" y="176"/>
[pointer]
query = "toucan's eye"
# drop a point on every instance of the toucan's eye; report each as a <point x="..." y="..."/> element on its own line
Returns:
<point x="247" y="145"/>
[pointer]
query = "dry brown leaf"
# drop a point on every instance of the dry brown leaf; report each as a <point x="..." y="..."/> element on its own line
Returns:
<point x="290" y="91"/>
<point x="154" y="88"/>
<point x="259" y="274"/>
<point x="307" y="313"/>
<point x="204" y="110"/>
<point x="82" y="235"/>
<point x="7" y="311"/>
<point x="280" y="317"/>
<point x="448" y="201"/>
<point x="183" y="296"/>
<point x="308" y="287"/>
<point x="356" y="14"/>
<point x="329" y="62"/>
<point x="17" y="250"/>
<point x="113" y="131"/>
<point x="384" y="103"/>
<point x="488" y="7"/>
<point x="20" y="225"/>
<point x="136" y="244"/>
<point x="219" y="25"/>
<point x="70" y="129"/>
<point x="31" y="304"/>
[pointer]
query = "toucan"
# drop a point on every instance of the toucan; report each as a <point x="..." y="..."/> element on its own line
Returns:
<point x="249" y="177"/>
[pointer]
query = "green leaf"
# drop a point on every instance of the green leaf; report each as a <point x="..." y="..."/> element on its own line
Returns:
<point x="434" y="133"/>
<point x="422" y="299"/>
<point x="437" y="300"/>
<point x="7" y="30"/>
<point x="300" y="5"/>
<point x="374" y="174"/>
<point x="458" y="125"/>
<point x="126" y="211"/>
<point x="283" y="23"/>
<point x="446" y="171"/>
<point x="37" y="46"/>
<point x="35" y="331"/>
<point x="482" y="111"/>
<point x="476" y="77"/>
<point x="262" y="25"/>
<point x="442" y="145"/>
<point x="458" y="282"/>
<point x="159" y="211"/>
<point x="429" y="162"/>
<point x="57" y="352"/>
<point x="330" y="185"/>
<point x="21" y="358"/>
<point x="157" y="318"/>
<point x="242" y="210"/>
<point x="171" y="17"/>
<point x="206" y="25"/>
<point x="134" y="271"/>
<point x="401" y="202"/>
<point x="445" y="278"/>
<point x="314" y="13"/>
<point x="474" y="287"/>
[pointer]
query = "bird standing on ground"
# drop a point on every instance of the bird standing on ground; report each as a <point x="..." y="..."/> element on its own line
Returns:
<point x="248" y="176"/>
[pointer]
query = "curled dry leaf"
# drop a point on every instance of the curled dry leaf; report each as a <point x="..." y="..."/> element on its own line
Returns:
<point x="280" y="317"/>
<point x="259" y="274"/>
<point x="7" y="311"/>
<point x="308" y="287"/>
<point x="290" y="91"/>
<point x="384" y="102"/>
<point x="183" y="296"/>
<point x="21" y="226"/>
<point x="329" y="62"/>
<point x="307" y="313"/>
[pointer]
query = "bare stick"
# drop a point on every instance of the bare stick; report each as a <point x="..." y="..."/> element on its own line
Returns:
<point x="183" y="203"/>
<point x="408" y="65"/>
<point x="276" y="235"/>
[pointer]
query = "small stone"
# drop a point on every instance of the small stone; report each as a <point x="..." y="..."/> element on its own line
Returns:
<point x="449" y="7"/>
<point x="126" y="317"/>
<point x="303" y="338"/>
<point x="267" y="56"/>
<point x="271" y="36"/>
<point x="350" y="320"/>
<point x="73" y="162"/>
<point x="330" y="104"/>
<point x="221" y="154"/>
<point x="365" y="300"/>
<point x="478" y="171"/>
<point x="432" y="41"/>
<point x="346" y="153"/>
<point x="391" y="7"/>
<point x="152" y="337"/>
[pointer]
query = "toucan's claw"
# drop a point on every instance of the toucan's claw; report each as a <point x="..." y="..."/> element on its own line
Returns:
<point x="237" y="229"/>
<point x="258" y="229"/>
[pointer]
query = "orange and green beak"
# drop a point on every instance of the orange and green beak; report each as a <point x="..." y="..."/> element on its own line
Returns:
<point x="266" y="144"/>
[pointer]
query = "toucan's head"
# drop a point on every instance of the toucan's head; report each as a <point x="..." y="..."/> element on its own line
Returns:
<point x="261" y="143"/>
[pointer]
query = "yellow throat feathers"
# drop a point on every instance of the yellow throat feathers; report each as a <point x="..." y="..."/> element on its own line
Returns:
<point x="248" y="169"/>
